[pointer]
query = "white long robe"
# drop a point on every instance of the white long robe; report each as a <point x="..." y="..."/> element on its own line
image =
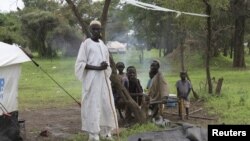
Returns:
<point x="97" y="105"/>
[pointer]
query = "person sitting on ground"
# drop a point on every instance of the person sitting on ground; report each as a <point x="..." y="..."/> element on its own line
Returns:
<point x="134" y="87"/>
<point x="124" y="79"/>
<point x="119" y="102"/>
<point x="183" y="87"/>
<point x="158" y="89"/>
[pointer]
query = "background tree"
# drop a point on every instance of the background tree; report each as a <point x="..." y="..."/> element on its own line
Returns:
<point x="222" y="27"/>
<point x="62" y="36"/>
<point x="208" y="48"/>
<point x="46" y="5"/>
<point x="65" y="39"/>
<point x="240" y="11"/>
<point x="10" y="29"/>
<point x="36" y="25"/>
<point x="117" y="28"/>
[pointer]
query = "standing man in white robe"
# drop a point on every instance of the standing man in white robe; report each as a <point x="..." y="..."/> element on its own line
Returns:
<point x="92" y="68"/>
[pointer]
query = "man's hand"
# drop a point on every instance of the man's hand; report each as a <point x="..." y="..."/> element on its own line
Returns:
<point x="104" y="65"/>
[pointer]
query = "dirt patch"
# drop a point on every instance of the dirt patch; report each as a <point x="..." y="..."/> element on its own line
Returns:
<point x="65" y="123"/>
<point x="198" y="115"/>
<point x="60" y="124"/>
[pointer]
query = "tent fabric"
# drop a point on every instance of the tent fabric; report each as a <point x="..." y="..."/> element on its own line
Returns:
<point x="115" y="46"/>
<point x="11" y="57"/>
<point x="9" y="76"/>
<point x="11" y="54"/>
<point x="182" y="132"/>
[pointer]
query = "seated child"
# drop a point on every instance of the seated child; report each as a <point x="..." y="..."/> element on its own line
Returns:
<point x="120" y="67"/>
<point x="134" y="85"/>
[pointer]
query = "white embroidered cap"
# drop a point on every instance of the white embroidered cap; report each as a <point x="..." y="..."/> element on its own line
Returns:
<point x="95" y="22"/>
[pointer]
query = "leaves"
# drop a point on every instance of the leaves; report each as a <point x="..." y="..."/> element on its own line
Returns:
<point x="10" y="29"/>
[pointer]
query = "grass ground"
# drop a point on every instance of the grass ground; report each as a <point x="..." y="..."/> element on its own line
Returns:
<point x="37" y="91"/>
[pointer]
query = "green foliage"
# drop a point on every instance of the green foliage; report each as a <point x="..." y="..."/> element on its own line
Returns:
<point x="36" y="26"/>
<point x="43" y="27"/>
<point x="39" y="19"/>
<point x="220" y="4"/>
<point x="65" y="39"/>
<point x="118" y="27"/>
<point x="164" y="30"/>
<point x="10" y="29"/>
<point x="192" y="6"/>
<point x="147" y="26"/>
<point x="88" y="11"/>
<point x="46" y="5"/>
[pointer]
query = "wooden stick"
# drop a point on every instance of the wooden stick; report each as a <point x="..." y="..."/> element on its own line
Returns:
<point x="190" y="112"/>
<point x="199" y="117"/>
<point x="195" y="111"/>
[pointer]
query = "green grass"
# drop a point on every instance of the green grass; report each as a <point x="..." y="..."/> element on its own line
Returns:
<point x="133" y="130"/>
<point x="137" y="128"/>
<point x="37" y="91"/>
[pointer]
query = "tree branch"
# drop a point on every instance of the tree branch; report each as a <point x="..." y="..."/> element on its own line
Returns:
<point x="104" y="18"/>
<point x="83" y="24"/>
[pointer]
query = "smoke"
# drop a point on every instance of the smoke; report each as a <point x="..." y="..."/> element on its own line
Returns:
<point x="140" y="51"/>
<point x="67" y="43"/>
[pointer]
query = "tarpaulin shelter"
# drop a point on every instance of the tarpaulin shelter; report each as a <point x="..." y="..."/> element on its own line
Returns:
<point x="174" y="132"/>
<point x="11" y="58"/>
<point x="117" y="47"/>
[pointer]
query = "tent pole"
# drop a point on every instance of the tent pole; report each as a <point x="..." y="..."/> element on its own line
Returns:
<point x="36" y="64"/>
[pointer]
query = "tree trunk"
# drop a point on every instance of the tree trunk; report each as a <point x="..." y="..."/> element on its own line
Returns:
<point x="83" y="24"/>
<point x="248" y="47"/>
<point x="142" y="55"/>
<point x="232" y="46"/>
<point x="239" y="60"/>
<point x="104" y="18"/>
<point x="182" y="58"/>
<point x="140" y="116"/>
<point x="216" y="51"/>
<point x="182" y="40"/>
<point x="219" y="85"/>
<point x="239" y="9"/>
<point x="225" y="51"/>
<point x="208" y="49"/>
<point x="160" y="51"/>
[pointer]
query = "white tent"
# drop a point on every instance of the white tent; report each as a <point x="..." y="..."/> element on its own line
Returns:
<point x="116" y="47"/>
<point x="11" y="57"/>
